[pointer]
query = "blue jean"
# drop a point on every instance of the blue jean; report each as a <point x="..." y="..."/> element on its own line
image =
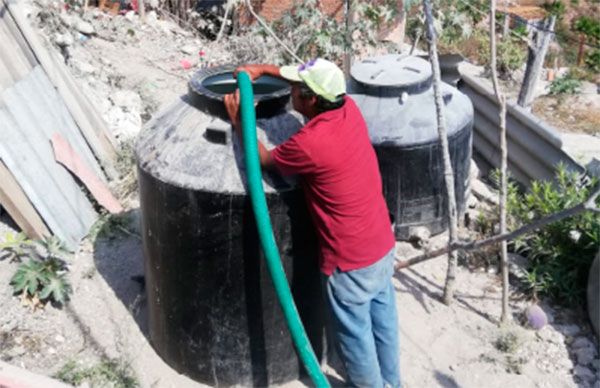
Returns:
<point x="365" y="323"/>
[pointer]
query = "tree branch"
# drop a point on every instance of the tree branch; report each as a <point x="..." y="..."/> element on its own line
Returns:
<point x="588" y="205"/>
<point x="270" y="31"/>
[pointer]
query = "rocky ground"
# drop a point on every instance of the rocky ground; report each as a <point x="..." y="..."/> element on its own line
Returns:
<point x="129" y="70"/>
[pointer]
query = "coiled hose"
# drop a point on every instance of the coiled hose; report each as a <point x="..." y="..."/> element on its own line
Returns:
<point x="265" y="233"/>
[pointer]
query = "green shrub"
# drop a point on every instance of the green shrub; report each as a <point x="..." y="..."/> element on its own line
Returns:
<point x="510" y="55"/>
<point x="561" y="253"/>
<point x="566" y="84"/>
<point x="43" y="276"/>
<point x="107" y="373"/>
<point x="312" y="33"/>
<point x="592" y="60"/>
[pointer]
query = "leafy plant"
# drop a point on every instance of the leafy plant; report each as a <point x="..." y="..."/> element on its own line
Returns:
<point x="561" y="253"/>
<point x="508" y="341"/>
<point x="592" y="60"/>
<point x="511" y="56"/>
<point x="15" y="246"/>
<point x="43" y="277"/>
<point x="107" y="373"/>
<point x="566" y="84"/>
<point x="555" y="7"/>
<point x="312" y="33"/>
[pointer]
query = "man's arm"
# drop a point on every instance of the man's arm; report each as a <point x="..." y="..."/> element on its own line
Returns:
<point x="256" y="71"/>
<point x="232" y="104"/>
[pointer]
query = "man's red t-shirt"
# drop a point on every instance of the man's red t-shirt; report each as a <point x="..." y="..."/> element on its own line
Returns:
<point x="334" y="156"/>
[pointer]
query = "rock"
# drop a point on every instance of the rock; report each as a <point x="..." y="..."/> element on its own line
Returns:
<point x="492" y="269"/>
<point x="569" y="330"/>
<point x="59" y="338"/>
<point x="588" y="88"/>
<point x="419" y="235"/>
<point x="63" y="40"/>
<point x="536" y="317"/>
<point x="189" y="50"/>
<point x="85" y="27"/>
<point x="472" y="201"/>
<point x="584" y="373"/>
<point x="130" y="16"/>
<point x="405" y="250"/>
<point x="483" y="193"/>
<point x="585" y="356"/>
<point x="151" y="18"/>
<point x="16" y="351"/>
<point x="582" y="342"/>
<point x="548" y="334"/>
<point x="517" y="265"/>
<point x="128" y="100"/>
<point x="66" y="19"/>
<point x="593" y="167"/>
<point x="84" y="68"/>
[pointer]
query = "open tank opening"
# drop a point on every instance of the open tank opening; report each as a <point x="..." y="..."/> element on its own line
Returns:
<point x="225" y="84"/>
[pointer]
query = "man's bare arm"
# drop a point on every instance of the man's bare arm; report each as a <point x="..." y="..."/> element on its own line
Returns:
<point x="232" y="104"/>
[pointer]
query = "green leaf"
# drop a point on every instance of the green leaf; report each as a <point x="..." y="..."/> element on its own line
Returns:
<point x="56" y="287"/>
<point x="28" y="277"/>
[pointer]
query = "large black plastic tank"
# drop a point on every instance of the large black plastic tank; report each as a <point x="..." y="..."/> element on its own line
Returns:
<point x="395" y="95"/>
<point x="213" y="312"/>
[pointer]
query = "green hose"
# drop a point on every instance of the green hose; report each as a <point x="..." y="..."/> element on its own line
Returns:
<point x="265" y="233"/>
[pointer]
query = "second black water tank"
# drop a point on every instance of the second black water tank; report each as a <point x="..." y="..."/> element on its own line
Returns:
<point x="395" y="95"/>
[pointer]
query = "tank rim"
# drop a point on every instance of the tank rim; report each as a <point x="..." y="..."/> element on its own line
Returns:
<point x="196" y="84"/>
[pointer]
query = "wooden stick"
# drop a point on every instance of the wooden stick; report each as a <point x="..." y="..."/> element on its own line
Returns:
<point x="443" y="135"/>
<point x="588" y="205"/>
<point x="505" y="317"/>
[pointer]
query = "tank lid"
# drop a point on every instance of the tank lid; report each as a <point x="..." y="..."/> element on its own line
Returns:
<point x="392" y="70"/>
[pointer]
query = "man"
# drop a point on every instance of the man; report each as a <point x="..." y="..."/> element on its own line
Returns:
<point x="338" y="168"/>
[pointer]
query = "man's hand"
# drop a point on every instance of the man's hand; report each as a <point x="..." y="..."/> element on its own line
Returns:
<point x="232" y="105"/>
<point x="256" y="71"/>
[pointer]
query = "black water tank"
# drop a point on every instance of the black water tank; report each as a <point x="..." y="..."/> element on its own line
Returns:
<point x="214" y="315"/>
<point x="395" y="95"/>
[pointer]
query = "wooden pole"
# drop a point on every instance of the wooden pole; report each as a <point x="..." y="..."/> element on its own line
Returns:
<point x="142" y="10"/>
<point x="443" y="135"/>
<point x="535" y="60"/>
<point x="503" y="163"/>
<point x="348" y="38"/>
<point x="401" y="25"/>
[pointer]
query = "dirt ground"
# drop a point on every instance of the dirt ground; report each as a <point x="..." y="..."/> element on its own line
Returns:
<point x="441" y="346"/>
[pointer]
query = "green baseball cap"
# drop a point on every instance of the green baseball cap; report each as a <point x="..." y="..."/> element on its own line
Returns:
<point x="323" y="77"/>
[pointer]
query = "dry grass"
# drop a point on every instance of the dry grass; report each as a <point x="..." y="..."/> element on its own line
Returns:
<point x="568" y="113"/>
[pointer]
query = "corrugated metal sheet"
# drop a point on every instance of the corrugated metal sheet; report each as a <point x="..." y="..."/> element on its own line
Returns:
<point x="30" y="111"/>
<point x="16" y="57"/>
<point x="534" y="148"/>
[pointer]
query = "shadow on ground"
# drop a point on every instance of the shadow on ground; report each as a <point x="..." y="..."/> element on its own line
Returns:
<point x="118" y="256"/>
